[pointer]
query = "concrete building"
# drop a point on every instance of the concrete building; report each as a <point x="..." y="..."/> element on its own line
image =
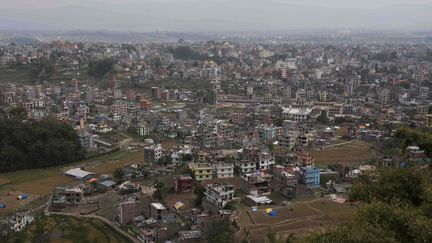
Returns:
<point x="310" y="176"/>
<point x="161" y="213"/>
<point x="152" y="153"/>
<point x="202" y="171"/>
<point x="128" y="210"/>
<point x="223" y="170"/>
<point x="219" y="195"/>
<point x="183" y="183"/>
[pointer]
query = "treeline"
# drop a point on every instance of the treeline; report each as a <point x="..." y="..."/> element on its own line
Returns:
<point x="99" y="68"/>
<point x="27" y="144"/>
<point x="408" y="136"/>
<point x="186" y="53"/>
<point x="396" y="206"/>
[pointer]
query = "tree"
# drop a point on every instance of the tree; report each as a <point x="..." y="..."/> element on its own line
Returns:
<point x="160" y="188"/>
<point x="39" y="235"/>
<point x="36" y="144"/>
<point x="322" y="118"/>
<point x="118" y="174"/>
<point x="100" y="68"/>
<point x="217" y="231"/>
<point x="18" y="113"/>
<point x="199" y="190"/>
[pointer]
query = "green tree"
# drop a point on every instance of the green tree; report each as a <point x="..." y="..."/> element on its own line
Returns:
<point x="118" y="174"/>
<point x="322" y="118"/>
<point x="199" y="191"/>
<point x="160" y="188"/>
<point x="218" y="231"/>
<point x="99" y="68"/>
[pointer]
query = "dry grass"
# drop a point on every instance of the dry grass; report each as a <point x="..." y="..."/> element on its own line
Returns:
<point x="303" y="219"/>
<point x="4" y="181"/>
<point x="352" y="153"/>
<point x="9" y="198"/>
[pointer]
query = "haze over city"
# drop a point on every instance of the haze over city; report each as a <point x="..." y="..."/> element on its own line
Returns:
<point x="215" y="15"/>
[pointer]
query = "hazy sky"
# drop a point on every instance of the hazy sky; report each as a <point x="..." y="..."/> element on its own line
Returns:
<point x="215" y="15"/>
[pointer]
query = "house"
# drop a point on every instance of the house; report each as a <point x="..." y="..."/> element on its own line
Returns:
<point x="152" y="153"/>
<point x="224" y="170"/>
<point x="296" y="114"/>
<point x="305" y="158"/>
<point x="161" y="213"/>
<point x="68" y="196"/>
<point x="190" y="236"/>
<point x="128" y="210"/>
<point x="265" y="160"/>
<point x="310" y="176"/>
<point x="256" y="184"/>
<point x="247" y="166"/>
<point x="202" y="171"/>
<point x="18" y="221"/>
<point x="147" y="235"/>
<point x="257" y="200"/>
<point x="78" y="173"/>
<point x="217" y="196"/>
<point x="183" y="183"/>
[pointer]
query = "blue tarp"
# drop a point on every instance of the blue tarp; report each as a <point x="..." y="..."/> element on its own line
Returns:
<point x="273" y="213"/>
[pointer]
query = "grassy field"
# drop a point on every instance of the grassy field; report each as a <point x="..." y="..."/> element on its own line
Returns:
<point x="70" y="229"/>
<point x="301" y="218"/>
<point x="43" y="181"/>
<point x="356" y="152"/>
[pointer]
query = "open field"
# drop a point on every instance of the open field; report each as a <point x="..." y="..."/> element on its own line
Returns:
<point x="355" y="152"/>
<point x="40" y="182"/>
<point x="301" y="218"/>
<point x="71" y="229"/>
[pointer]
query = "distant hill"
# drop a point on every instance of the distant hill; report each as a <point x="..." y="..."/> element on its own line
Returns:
<point x="19" y="40"/>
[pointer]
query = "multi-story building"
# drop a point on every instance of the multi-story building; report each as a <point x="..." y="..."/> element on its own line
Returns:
<point x="256" y="184"/>
<point x="223" y="170"/>
<point x="247" y="166"/>
<point x="152" y="153"/>
<point x="219" y="195"/>
<point x="161" y="213"/>
<point x="201" y="171"/>
<point x="128" y="210"/>
<point x="183" y="183"/>
<point x="310" y="176"/>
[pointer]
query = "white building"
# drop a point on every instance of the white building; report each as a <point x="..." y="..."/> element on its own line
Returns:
<point x="19" y="221"/>
<point x="223" y="170"/>
<point x="247" y="167"/>
<point x="219" y="194"/>
<point x="296" y="114"/>
<point x="265" y="161"/>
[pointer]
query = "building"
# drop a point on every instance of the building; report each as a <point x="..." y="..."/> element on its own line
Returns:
<point x="152" y="153"/>
<point x="18" y="221"/>
<point x="183" y="183"/>
<point x="202" y="171"/>
<point x="68" y="196"/>
<point x="161" y="213"/>
<point x="223" y="170"/>
<point x="247" y="166"/>
<point x="296" y="114"/>
<point x="310" y="176"/>
<point x="265" y="160"/>
<point x="219" y="195"/>
<point x="256" y="184"/>
<point x="268" y="132"/>
<point x="128" y="210"/>
<point x="305" y="158"/>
